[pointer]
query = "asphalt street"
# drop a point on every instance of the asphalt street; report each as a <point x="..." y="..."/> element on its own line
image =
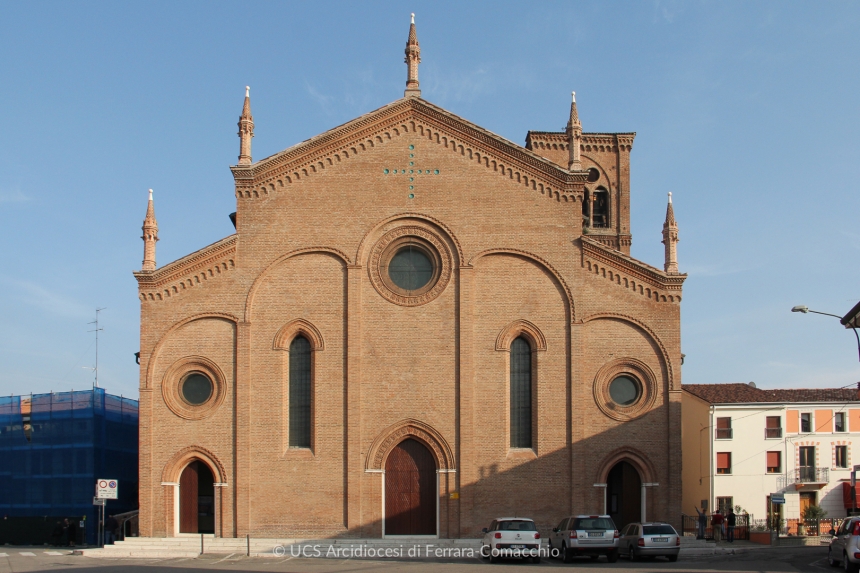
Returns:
<point x="22" y="560"/>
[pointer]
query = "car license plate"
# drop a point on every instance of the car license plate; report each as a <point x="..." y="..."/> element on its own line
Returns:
<point x="595" y="534"/>
<point x="660" y="539"/>
<point x="518" y="546"/>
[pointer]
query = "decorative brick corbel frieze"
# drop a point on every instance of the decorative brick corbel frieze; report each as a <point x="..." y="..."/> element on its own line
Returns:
<point x="591" y="142"/>
<point x="188" y="272"/>
<point x="410" y="115"/>
<point x="625" y="141"/>
<point x="629" y="273"/>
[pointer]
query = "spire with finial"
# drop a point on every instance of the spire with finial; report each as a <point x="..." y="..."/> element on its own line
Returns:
<point x="413" y="58"/>
<point x="246" y="130"/>
<point x="670" y="239"/>
<point x="574" y="137"/>
<point x="150" y="236"/>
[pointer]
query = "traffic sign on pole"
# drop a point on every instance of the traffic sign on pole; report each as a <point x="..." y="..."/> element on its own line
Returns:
<point x="107" y="489"/>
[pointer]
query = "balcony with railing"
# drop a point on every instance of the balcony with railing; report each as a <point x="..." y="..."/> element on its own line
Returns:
<point x="805" y="476"/>
<point x="723" y="433"/>
<point x="771" y="433"/>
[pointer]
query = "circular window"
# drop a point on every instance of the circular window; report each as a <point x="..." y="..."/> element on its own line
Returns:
<point x="410" y="266"/>
<point x="624" y="391"/>
<point x="196" y="388"/>
<point x="625" y="388"/>
<point x="410" y="269"/>
<point x="593" y="174"/>
<point x="193" y="387"/>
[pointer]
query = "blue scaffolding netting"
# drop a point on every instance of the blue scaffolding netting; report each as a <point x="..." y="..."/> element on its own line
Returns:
<point x="49" y="464"/>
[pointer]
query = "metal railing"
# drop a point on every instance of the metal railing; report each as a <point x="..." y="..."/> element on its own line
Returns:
<point x="773" y="432"/>
<point x="723" y="433"/>
<point x="700" y="526"/>
<point x="804" y="474"/>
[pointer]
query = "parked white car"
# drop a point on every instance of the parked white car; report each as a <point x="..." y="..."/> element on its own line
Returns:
<point x="650" y="540"/>
<point x="580" y="535"/>
<point x="511" y="537"/>
<point x="845" y="546"/>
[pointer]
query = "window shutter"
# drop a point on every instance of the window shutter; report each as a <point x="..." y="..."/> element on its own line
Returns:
<point x="791" y="421"/>
<point x="773" y="422"/>
<point x="724" y="423"/>
<point x="724" y="460"/>
<point x="773" y="459"/>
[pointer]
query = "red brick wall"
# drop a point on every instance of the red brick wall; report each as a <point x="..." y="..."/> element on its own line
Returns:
<point x="514" y="256"/>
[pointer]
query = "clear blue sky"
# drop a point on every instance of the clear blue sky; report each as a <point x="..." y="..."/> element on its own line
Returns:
<point x="747" y="111"/>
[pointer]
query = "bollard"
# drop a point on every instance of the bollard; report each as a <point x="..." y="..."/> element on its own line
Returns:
<point x="201" y="544"/>
<point x="248" y="542"/>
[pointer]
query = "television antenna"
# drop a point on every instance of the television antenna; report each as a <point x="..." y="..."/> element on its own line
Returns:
<point x="96" y="330"/>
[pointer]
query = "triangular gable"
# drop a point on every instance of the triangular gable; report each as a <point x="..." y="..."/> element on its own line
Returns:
<point x="408" y="115"/>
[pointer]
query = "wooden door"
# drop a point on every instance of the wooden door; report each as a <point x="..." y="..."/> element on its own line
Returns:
<point x="188" y="493"/>
<point x="807" y="464"/>
<point x="624" y="495"/>
<point x="410" y="490"/>
<point x="806" y="499"/>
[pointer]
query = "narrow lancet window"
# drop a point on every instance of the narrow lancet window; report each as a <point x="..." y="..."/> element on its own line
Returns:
<point x="521" y="394"/>
<point x="300" y="393"/>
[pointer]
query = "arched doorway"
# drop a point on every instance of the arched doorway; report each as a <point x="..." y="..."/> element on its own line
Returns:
<point x="197" y="499"/>
<point x="410" y="490"/>
<point x="624" y="494"/>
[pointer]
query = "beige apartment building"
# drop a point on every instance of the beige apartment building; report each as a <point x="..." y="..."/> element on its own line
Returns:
<point x="742" y="444"/>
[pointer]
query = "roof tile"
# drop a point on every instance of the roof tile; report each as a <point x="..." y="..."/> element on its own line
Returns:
<point x="740" y="393"/>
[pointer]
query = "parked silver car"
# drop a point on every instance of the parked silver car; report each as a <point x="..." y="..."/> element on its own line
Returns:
<point x="845" y="545"/>
<point x="591" y="535"/>
<point x="511" y="537"/>
<point x="650" y="540"/>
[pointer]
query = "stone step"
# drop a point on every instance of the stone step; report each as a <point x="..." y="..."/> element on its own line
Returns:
<point x="189" y="547"/>
<point x="240" y="541"/>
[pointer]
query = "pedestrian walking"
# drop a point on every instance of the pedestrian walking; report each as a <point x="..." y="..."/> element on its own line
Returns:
<point x="72" y="531"/>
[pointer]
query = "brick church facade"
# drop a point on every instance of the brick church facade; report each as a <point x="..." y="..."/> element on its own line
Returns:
<point x="418" y="327"/>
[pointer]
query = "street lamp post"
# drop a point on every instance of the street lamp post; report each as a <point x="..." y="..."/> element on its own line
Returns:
<point x="804" y="310"/>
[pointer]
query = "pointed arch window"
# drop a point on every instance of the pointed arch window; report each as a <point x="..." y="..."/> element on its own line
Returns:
<point x="300" y="393"/>
<point x="600" y="215"/>
<point x="595" y="209"/>
<point x="521" y="393"/>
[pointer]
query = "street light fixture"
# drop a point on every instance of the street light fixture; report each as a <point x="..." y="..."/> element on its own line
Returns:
<point x="806" y="309"/>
